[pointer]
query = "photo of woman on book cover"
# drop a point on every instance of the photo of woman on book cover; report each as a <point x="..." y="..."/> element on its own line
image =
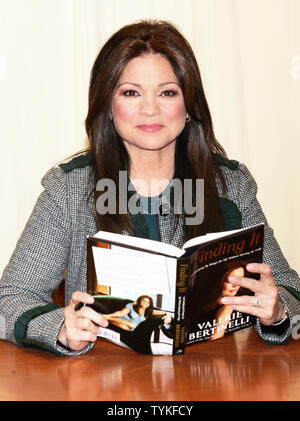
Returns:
<point x="136" y="324"/>
<point x="130" y="316"/>
<point x="207" y="309"/>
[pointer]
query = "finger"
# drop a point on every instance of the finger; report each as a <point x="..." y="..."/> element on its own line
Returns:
<point x="265" y="316"/>
<point x="262" y="268"/>
<point x="81" y="297"/>
<point x="249" y="283"/>
<point x="246" y="300"/>
<point x="248" y="309"/>
<point x="77" y="336"/>
<point x="82" y="323"/>
<point x="93" y="315"/>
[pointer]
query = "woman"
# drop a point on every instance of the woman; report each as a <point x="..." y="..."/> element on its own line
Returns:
<point x="135" y="313"/>
<point x="148" y="116"/>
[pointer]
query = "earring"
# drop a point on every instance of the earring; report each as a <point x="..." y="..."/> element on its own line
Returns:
<point x="187" y="119"/>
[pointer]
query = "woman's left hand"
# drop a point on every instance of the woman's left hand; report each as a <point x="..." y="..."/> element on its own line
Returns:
<point x="266" y="303"/>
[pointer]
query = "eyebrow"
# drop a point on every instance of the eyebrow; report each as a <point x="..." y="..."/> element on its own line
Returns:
<point x="139" y="86"/>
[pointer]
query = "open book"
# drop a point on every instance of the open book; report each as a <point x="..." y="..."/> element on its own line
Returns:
<point x="158" y="297"/>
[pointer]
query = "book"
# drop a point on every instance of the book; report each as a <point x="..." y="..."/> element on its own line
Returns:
<point x="158" y="298"/>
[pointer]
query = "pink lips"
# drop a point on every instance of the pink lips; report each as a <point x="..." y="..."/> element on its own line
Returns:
<point x="150" y="128"/>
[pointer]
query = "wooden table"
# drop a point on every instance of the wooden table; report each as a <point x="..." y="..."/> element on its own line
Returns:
<point x="238" y="367"/>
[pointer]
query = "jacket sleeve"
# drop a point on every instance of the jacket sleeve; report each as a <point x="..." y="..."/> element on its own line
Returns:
<point x="28" y="315"/>
<point x="287" y="279"/>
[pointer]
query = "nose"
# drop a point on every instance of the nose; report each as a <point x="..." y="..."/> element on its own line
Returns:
<point x="149" y="106"/>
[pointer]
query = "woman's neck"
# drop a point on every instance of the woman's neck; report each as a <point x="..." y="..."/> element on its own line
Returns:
<point x="150" y="173"/>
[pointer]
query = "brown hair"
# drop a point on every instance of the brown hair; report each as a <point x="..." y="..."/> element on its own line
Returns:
<point x="137" y="305"/>
<point x="194" y="146"/>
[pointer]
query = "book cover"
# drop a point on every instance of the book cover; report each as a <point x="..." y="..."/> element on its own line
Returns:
<point x="158" y="298"/>
<point x="210" y="266"/>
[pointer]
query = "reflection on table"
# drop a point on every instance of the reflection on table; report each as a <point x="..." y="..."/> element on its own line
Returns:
<point x="238" y="367"/>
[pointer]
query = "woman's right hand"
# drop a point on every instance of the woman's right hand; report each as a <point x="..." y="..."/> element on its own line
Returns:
<point x="80" y="327"/>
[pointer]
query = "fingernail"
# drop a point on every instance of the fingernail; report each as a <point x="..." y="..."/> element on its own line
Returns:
<point x="225" y="300"/>
<point x="103" y="322"/>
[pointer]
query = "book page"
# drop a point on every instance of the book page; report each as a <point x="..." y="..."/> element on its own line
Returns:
<point x="141" y="243"/>
<point x="213" y="236"/>
<point x="126" y="268"/>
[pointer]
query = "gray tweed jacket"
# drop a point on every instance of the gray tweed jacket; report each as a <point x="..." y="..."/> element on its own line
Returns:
<point x="54" y="242"/>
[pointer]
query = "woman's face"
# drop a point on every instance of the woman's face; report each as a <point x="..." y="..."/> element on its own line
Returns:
<point x="230" y="289"/>
<point x="148" y="107"/>
<point x="145" y="303"/>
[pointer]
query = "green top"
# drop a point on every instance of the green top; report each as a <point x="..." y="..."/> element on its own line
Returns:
<point x="151" y="222"/>
<point x="146" y="222"/>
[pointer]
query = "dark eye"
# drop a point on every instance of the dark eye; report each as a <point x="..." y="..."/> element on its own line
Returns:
<point x="130" y="92"/>
<point x="168" y="92"/>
